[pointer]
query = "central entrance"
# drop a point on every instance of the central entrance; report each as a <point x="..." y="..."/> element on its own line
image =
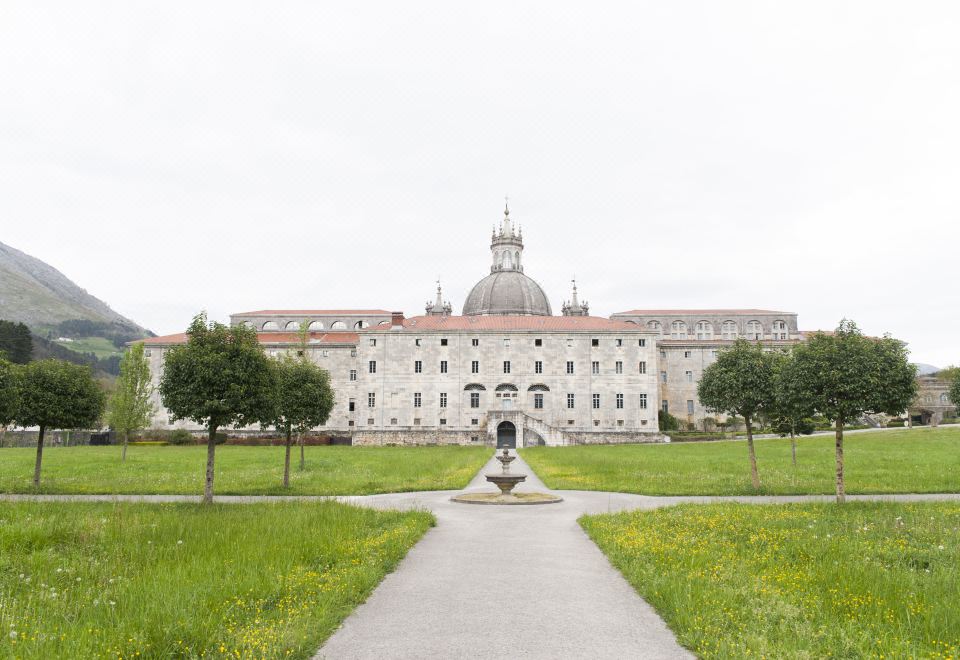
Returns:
<point x="506" y="435"/>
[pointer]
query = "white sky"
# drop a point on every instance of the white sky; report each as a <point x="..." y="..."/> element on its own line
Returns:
<point x="230" y="156"/>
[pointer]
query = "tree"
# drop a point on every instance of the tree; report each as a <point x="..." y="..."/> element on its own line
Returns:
<point x="789" y="414"/>
<point x="220" y="377"/>
<point x="845" y="375"/>
<point x="9" y="396"/>
<point x="303" y="339"/>
<point x="955" y="394"/>
<point x="741" y="383"/>
<point x="15" y="342"/>
<point x="56" y="394"/>
<point x="303" y="399"/>
<point x="130" y="408"/>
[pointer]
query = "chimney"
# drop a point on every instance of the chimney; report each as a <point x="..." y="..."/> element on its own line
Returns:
<point x="396" y="320"/>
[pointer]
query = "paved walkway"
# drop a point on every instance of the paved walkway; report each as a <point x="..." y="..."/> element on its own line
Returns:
<point x="502" y="582"/>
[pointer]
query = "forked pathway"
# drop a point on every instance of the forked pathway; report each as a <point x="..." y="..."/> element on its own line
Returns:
<point x="503" y="582"/>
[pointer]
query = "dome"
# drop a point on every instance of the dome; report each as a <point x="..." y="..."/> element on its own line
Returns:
<point x="507" y="292"/>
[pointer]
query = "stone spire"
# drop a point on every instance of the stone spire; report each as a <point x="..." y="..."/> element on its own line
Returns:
<point x="574" y="307"/>
<point x="439" y="307"/>
<point x="506" y="247"/>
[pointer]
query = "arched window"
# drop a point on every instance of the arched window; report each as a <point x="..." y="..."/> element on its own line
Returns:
<point x="516" y="260"/>
<point x="474" y="387"/>
<point x="338" y="325"/>
<point x="507" y="260"/>
<point x="505" y="387"/>
<point x="316" y="325"/>
<point x="728" y="330"/>
<point x="944" y="399"/>
<point x="360" y="325"/>
<point x="247" y="324"/>
<point x="754" y="330"/>
<point x="704" y="330"/>
<point x="779" y="330"/>
<point x="656" y="327"/>
<point x="538" y="387"/>
<point x="292" y="325"/>
<point x="384" y="323"/>
<point x="678" y="330"/>
<point x="270" y="325"/>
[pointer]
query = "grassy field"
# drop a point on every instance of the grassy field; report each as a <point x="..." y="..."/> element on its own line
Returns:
<point x="910" y="461"/>
<point x="99" y="346"/>
<point x="242" y="470"/>
<point x="796" y="581"/>
<point x="148" y="580"/>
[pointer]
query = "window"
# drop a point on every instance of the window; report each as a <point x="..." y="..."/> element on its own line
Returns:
<point x="704" y="330"/>
<point x="663" y="354"/>
<point x="443" y="399"/>
<point x="475" y="367"/>
<point x="147" y="353"/>
<point x="596" y="422"/>
<point x="619" y="343"/>
<point x="570" y="422"/>
<point x="417" y="399"/>
<point x="642" y="343"/>
<point x="689" y="406"/>
<point x="474" y="399"/>
<point x="474" y="342"/>
<point x="350" y="423"/>
<point x="443" y="366"/>
<point x="643" y="401"/>
<point x="393" y="420"/>
<point x="619" y="402"/>
<point x="416" y="342"/>
<point x="655" y="327"/>
<point x="779" y="330"/>
<point x="353" y="374"/>
<point x="474" y="421"/>
<point x="323" y="353"/>
<point x="369" y="421"/>
<point x="351" y="406"/>
<point x="618" y="366"/>
<point x="643" y="367"/>
<point x="353" y="353"/>
<point x="569" y="367"/>
<point x="373" y="342"/>
<point x="443" y="342"/>
<point x="538" y="401"/>
<point x="678" y="330"/>
<point x="506" y="343"/>
<point x="689" y="376"/>
<point x="418" y="367"/>
<point x="371" y="400"/>
<point x="687" y="354"/>
<point x="506" y="366"/>
<point x="595" y="368"/>
<point x="728" y="330"/>
<point x="570" y="401"/>
<point x="619" y="422"/>
<point x="443" y="422"/>
<point x="373" y="366"/>
<point x="665" y="406"/>
<point x="596" y="401"/>
<point x="594" y="342"/>
<point x="754" y="330"/>
<point x="538" y="367"/>
<point x="663" y="376"/>
<point x="538" y="342"/>
<point x="569" y="343"/>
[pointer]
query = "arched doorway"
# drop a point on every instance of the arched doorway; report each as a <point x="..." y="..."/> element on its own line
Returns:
<point x="506" y="435"/>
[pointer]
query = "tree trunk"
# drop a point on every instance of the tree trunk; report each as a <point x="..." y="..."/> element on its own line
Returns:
<point x="841" y="495"/>
<point x="211" y="449"/>
<point x="286" y="462"/>
<point x="754" y="473"/>
<point x="303" y="460"/>
<point x="36" y="468"/>
<point x="126" y="439"/>
<point x="793" y="446"/>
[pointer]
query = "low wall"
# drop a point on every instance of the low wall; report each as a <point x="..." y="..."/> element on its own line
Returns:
<point x="419" y="437"/>
<point x="611" y="437"/>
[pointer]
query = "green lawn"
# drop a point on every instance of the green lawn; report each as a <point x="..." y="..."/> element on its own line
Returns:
<point x="242" y="470"/>
<point x="909" y="461"/>
<point x="83" y="580"/>
<point x="99" y="346"/>
<point x="796" y="581"/>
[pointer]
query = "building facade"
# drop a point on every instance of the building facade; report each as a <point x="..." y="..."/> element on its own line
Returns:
<point x="505" y="372"/>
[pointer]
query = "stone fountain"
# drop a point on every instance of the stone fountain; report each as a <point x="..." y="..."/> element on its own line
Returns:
<point x="506" y="482"/>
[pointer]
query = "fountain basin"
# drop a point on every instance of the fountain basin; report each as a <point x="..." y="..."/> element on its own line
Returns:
<point x="506" y="482"/>
<point x="512" y="499"/>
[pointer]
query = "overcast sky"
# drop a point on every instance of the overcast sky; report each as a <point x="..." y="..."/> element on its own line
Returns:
<point x="230" y="156"/>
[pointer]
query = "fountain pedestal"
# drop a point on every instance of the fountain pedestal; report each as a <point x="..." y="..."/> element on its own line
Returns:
<point x="506" y="482"/>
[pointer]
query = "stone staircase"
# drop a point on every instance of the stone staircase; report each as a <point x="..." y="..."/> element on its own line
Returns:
<point x="530" y="430"/>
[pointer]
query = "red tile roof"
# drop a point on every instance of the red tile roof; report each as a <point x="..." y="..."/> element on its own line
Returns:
<point x="316" y="338"/>
<point x="695" y="312"/>
<point x="560" y="323"/>
<point x="315" y="312"/>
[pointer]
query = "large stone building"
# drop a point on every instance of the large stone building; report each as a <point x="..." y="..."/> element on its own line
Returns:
<point x="506" y="371"/>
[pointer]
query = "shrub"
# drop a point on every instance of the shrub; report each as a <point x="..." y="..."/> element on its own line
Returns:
<point x="180" y="437"/>
<point x="219" y="438"/>
<point x="897" y="423"/>
<point x="668" y="422"/>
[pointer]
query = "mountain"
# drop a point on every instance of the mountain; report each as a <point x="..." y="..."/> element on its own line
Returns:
<point x="925" y="369"/>
<point x="42" y="297"/>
